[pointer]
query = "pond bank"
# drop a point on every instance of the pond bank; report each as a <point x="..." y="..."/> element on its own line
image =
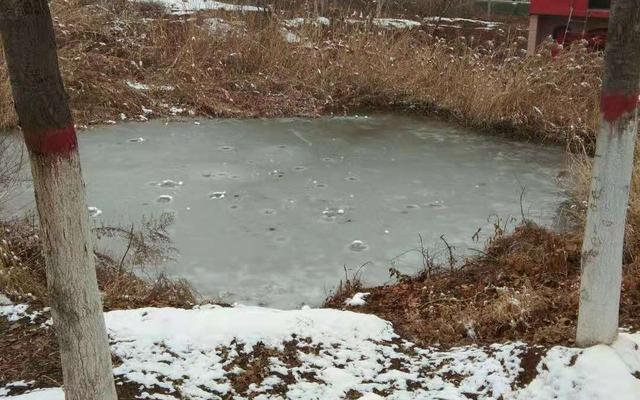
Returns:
<point x="133" y="63"/>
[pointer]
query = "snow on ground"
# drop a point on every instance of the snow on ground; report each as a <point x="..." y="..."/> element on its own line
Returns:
<point x="43" y="394"/>
<point x="182" y="7"/>
<point x="358" y="299"/>
<point x="16" y="312"/>
<point x="299" y="22"/>
<point x="487" y="24"/>
<point x="395" y="23"/>
<point x="325" y="354"/>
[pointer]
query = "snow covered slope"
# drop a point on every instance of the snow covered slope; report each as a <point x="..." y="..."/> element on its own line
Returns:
<point x="325" y="354"/>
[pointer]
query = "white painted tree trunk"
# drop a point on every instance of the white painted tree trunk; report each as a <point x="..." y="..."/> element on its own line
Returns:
<point x="603" y="245"/>
<point x="28" y="41"/>
<point x="71" y="278"/>
<point x="604" y="234"/>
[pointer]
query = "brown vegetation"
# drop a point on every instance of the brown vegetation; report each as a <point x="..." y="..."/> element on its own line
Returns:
<point x="28" y="352"/>
<point x="480" y="79"/>
<point x="23" y="277"/>
<point x="523" y="287"/>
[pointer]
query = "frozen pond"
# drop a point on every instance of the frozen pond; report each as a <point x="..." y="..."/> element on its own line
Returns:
<point x="270" y="211"/>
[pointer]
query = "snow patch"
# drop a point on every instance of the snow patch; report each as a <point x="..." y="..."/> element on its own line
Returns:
<point x="94" y="211"/>
<point x="395" y="23"/>
<point x="357" y="300"/>
<point x="184" y="7"/>
<point x="599" y="372"/>
<point x="190" y="354"/>
<point x="16" y="312"/>
<point x="41" y="394"/>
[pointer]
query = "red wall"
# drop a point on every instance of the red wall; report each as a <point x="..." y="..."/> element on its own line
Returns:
<point x="563" y="7"/>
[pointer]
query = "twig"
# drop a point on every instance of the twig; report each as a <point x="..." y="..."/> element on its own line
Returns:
<point x="452" y="259"/>
<point x="127" y="250"/>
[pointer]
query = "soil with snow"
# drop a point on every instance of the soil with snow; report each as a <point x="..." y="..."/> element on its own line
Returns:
<point x="211" y="352"/>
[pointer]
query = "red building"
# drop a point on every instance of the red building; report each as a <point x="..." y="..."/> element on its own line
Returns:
<point x="567" y="21"/>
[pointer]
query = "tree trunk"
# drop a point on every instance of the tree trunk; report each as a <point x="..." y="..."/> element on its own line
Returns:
<point x="45" y="119"/>
<point x="602" y="248"/>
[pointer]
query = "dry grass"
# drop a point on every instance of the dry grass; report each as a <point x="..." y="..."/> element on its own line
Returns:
<point x="23" y="277"/>
<point x="30" y="353"/>
<point x="480" y="79"/>
<point x="524" y="287"/>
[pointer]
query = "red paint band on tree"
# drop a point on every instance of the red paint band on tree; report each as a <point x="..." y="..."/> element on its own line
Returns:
<point x="615" y="105"/>
<point x="52" y="142"/>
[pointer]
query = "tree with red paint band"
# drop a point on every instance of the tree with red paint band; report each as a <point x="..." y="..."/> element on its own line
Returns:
<point x="602" y="247"/>
<point x="45" y="119"/>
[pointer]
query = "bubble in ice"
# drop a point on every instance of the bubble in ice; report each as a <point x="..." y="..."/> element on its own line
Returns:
<point x="94" y="211"/>
<point x="207" y="174"/>
<point x="234" y="206"/>
<point x="165" y="198"/>
<point x="281" y="239"/>
<point x="217" y="195"/>
<point x="300" y="168"/>
<point x="321" y="185"/>
<point x="436" y="204"/>
<point x="358" y="245"/>
<point x="332" y="212"/>
<point x="412" y="206"/>
<point x="168" y="183"/>
<point x="352" y="178"/>
<point x="282" y="146"/>
<point x="276" y="173"/>
<point x="136" y="140"/>
<point x="226" y="148"/>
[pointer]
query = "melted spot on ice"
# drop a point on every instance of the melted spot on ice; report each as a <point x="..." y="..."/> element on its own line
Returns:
<point x="168" y="183"/>
<point x="281" y="239"/>
<point x="332" y="212"/>
<point x="358" y="245"/>
<point x="217" y="195"/>
<point x="165" y="198"/>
